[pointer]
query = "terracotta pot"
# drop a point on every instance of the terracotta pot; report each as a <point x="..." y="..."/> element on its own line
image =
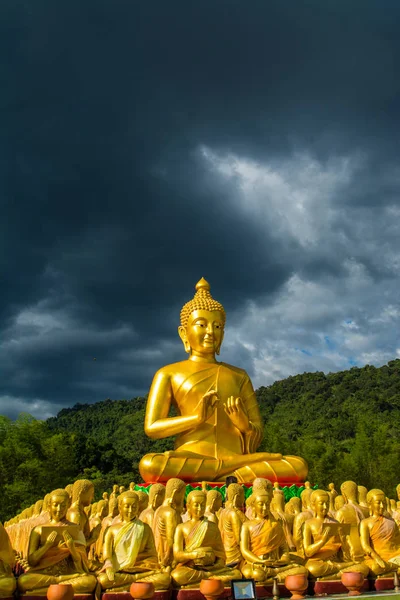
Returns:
<point x="297" y="585"/>
<point x="60" y="591"/>
<point x="211" y="588"/>
<point x="142" y="589"/>
<point x="353" y="581"/>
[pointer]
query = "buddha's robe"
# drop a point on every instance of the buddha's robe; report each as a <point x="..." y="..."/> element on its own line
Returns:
<point x="7" y="561"/>
<point x="385" y="541"/>
<point x="134" y="558"/>
<point x="352" y="515"/>
<point x="57" y="566"/>
<point x="203" y="534"/>
<point x="329" y="562"/>
<point x="216" y="448"/>
<point x="166" y="520"/>
<point x="267" y="542"/>
<point x="230" y="534"/>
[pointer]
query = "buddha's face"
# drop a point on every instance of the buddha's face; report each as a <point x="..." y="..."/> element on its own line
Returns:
<point x="196" y="506"/>
<point x="58" y="507"/>
<point x="377" y="504"/>
<point x="238" y="499"/>
<point x="87" y="497"/>
<point x="261" y="505"/>
<point x="320" y="504"/>
<point x="157" y="500"/>
<point x="128" y="509"/>
<point x="115" y="489"/>
<point x="178" y="499"/>
<point x="217" y="503"/>
<point x="204" y="332"/>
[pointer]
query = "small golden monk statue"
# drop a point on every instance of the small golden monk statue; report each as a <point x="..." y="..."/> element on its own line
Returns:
<point x="230" y="524"/>
<point x="213" y="505"/>
<point x="299" y="520"/>
<point x="7" y="561"/>
<point x="362" y="497"/>
<point x="380" y="536"/>
<point x="260" y="483"/>
<point x="156" y="498"/>
<point x="57" y="553"/>
<point x="352" y="514"/>
<point x="198" y="547"/>
<point x="143" y="500"/>
<point x="323" y="540"/>
<point x="82" y="497"/>
<point x="218" y="426"/>
<point x="167" y="518"/>
<point x="263" y="545"/>
<point x="129" y="551"/>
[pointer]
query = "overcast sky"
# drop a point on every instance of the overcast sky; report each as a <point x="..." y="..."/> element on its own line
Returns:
<point x="144" y="145"/>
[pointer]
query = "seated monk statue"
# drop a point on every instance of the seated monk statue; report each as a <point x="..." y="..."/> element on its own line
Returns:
<point x="260" y="483"/>
<point x="380" y="536"/>
<point x="279" y="513"/>
<point x="218" y="427"/>
<point x="362" y="497"/>
<point x="143" y="500"/>
<point x="82" y="497"/>
<point x="263" y="545"/>
<point x="299" y="520"/>
<point x="167" y="518"/>
<point x="198" y="548"/>
<point x="7" y="562"/>
<point x="352" y="514"/>
<point x="57" y="558"/>
<point x="213" y="505"/>
<point x="332" y="495"/>
<point x="156" y="498"/>
<point x="129" y="552"/>
<point x="230" y="524"/>
<point x="323" y="540"/>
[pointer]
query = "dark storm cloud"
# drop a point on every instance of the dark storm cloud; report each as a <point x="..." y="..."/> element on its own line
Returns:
<point x="111" y="212"/>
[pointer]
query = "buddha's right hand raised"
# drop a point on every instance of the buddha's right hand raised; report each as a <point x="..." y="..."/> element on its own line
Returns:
<point x="206" y="406"/>
<point x="50" y="540"/>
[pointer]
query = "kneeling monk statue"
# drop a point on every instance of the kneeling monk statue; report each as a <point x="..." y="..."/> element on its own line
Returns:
<point x="129" y="551"/>
<point x="218" y="427"/>
<point x="57" y="553"/>
<point x="198" y="547"/>
<point x="264" y="547"/>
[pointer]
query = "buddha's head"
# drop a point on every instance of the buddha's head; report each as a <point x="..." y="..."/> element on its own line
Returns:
<point x="175" y="493"/>
<point x="101" y="509"/>
<point x="105" y="496"/>
<point x="196" y="504"/>
<point x="83" y="492"/>
<point x="58" y="505"/>
<point x="235" y="495"/>
<point x="362" y="494"/>
<point x="69" y="488"/>
<point x="214" y="501"/>
<point x="113" y="507"/>
<point x="128" y="506"/>
<point x="331" y="487"/>
<point x="122" y="489"/>
<point x="306" y="499"/>
<point x="376" y="501"/>
<point x="293" y="507"/>
<point x="279" y="500"/>
<point x="349" y="491"/>
<point x="115" y="489"/>
<point x="261" y="504"/>
<point x="339" y="502"/>
<point x="156" y="495"/>
<point x="202" y="323"/>
<point x="132" y="486"/>
<point x="320" y="503"/>
<point x="143" y="500"/>
<point x="393" y="506"/>
<point x="260" y="483"/>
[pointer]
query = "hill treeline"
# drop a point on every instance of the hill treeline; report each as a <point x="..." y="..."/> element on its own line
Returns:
<point x="346" y="425"/>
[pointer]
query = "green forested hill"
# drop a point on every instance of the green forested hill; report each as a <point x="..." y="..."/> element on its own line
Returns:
<point x="346" y="425"/>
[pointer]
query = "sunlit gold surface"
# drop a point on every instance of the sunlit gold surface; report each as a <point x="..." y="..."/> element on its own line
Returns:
<point x="198" y="548"/>
<point x="129" y="553"/>
<point x="7" y="560"/>
<point x="218" y="426"/>
<point x="230" y="524"/>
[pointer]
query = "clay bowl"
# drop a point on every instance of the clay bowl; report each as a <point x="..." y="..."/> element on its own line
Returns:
<point x="297" y="585"/>
<point x="142" y="589"/>
<point x="59" y="591"/>
<point x="211" y="588"/>
<point x="353" y="581"/>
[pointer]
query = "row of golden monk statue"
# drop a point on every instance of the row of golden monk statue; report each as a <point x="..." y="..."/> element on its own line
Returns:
<point x="159" y="537"/>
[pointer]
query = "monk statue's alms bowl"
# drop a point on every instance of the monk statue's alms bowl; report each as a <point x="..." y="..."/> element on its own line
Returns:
<point x="218" y="427"/>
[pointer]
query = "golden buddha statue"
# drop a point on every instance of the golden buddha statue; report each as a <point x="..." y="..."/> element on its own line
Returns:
<point x="57" y="553"/>
<point x="82" y="497"/>
<point x="218" y="426"/>
<point x="156" y="498"/>
<point x="352" y="514"/>
<point x="114" y="492"/>
<point x="339" y="503"/>
<point x="105" y="524"/>
<point x="362" y="497"/>
<point x="213" y="505"/>
<point x="143" y="500"/>
<point x="324" y="541"/>
<point x="278" y="510"/>
<point x="259" y="484"/>
<point x="380" y="536"/>
<point x="129" y="552"/>
<point x="198" y="549"/>
<point x="132" y="486"/>
<point x="263" y="545"/>
<point x="230" y="524"/>
<point x="167" y="518"/>
<point x="121" y="489"/>
<point x="299" y="520"/>
<point x="332" y="495"/>
<point x="7" y="561"/>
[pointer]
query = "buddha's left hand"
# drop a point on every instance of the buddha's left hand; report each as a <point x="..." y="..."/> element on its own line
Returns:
<point x="236" y="411"/>
<point x="69" y="542"/>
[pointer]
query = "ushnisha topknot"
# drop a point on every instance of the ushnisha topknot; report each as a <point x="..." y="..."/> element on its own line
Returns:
<point x="202" y="300"/>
